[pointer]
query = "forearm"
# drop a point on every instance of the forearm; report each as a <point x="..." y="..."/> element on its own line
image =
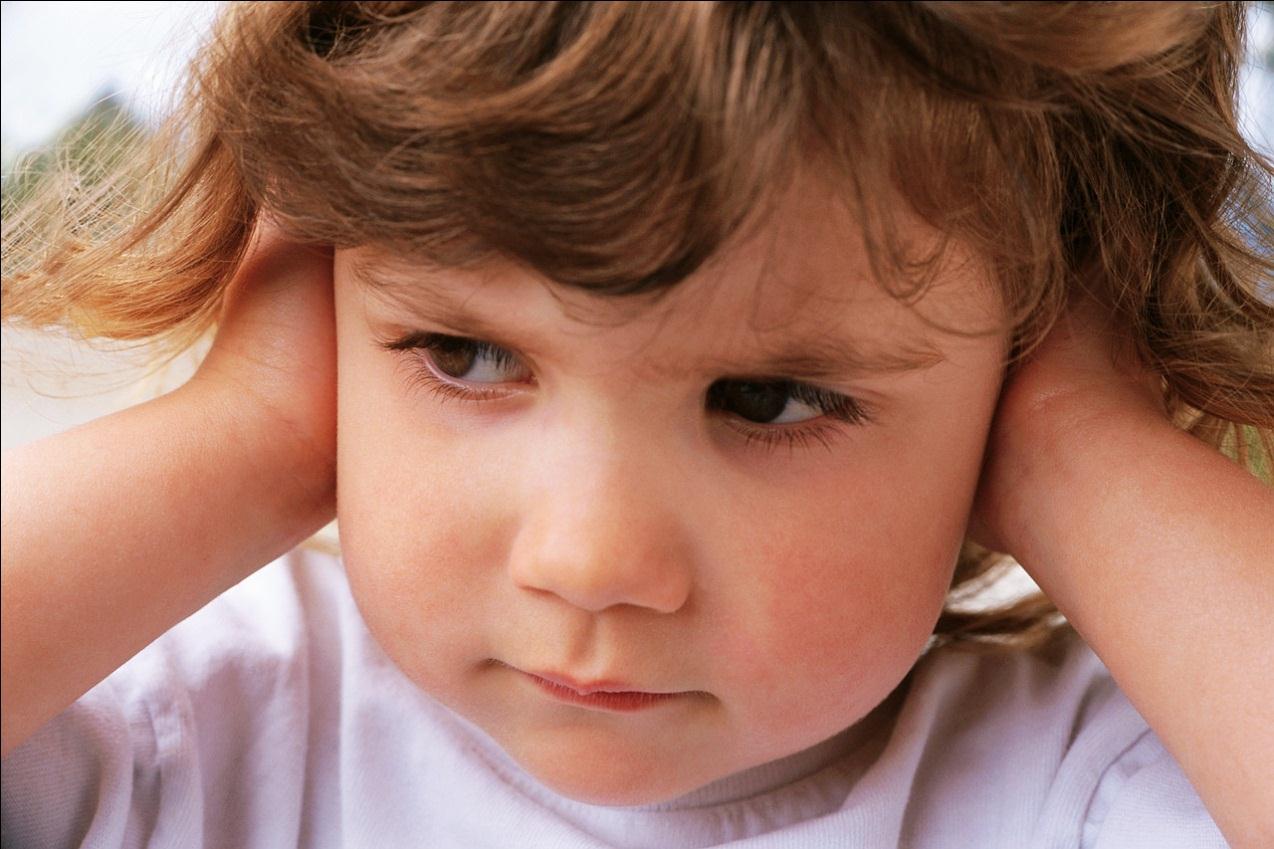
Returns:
<point x="1157" y="549"/>
<point x="117" y="530"/>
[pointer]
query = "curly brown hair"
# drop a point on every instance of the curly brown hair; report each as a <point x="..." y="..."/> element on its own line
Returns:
<point x="1075" y="147"/>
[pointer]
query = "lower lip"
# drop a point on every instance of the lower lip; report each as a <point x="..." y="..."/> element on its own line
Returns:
<point x="625" y="702"/>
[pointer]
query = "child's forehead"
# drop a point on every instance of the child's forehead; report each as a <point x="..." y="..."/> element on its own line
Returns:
<point x="729" y="316"/>
<point x="799" y="256"/>
<point x="797" y="284"/>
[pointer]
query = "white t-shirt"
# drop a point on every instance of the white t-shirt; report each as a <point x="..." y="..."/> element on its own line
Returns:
<point x="272" y="719"/>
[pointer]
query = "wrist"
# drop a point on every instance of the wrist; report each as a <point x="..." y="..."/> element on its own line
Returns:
<point x="116" y="530"/>
<point x="287" y="476"/>
<point x="1063" y="457"/>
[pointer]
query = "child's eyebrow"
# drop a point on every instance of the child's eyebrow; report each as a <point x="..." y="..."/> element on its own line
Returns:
<point x="421" y="297"/>
<point x="826" y="358"/>
<point x="820" y="357"/>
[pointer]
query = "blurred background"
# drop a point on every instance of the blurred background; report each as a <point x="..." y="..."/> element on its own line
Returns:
<point x="72" y="69"/>
<point x="67" y="66"/>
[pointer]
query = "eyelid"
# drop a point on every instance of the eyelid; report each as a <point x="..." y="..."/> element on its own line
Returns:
<point x="815" y="431"/>
<point x="428" y="340"/>
<point x="422" y="339"/>
<point x="840" y="413"/>
<point x="425" y="374"/>
<point x="829" y="400"/>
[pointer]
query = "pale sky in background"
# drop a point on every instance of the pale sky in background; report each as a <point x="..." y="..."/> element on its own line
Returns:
<point x="1257" y="85"/>
<point x="56" y="58"/>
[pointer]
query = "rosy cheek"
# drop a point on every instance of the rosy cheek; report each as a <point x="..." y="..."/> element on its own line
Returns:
<point x="846" y="596"/>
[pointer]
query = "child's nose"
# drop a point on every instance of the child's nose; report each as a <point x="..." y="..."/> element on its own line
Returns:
<point x="601" y="536"/>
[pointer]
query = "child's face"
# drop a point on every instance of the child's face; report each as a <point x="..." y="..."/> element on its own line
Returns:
<point x="632" y="496"/>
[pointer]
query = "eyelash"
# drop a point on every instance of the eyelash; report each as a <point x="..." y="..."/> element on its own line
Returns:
<point x="837" y="411"/>
<point x="424" y="375"/>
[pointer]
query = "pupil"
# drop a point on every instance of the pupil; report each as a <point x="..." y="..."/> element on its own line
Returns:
<point x="453" y="358"/>
<point x="756" y="402"/>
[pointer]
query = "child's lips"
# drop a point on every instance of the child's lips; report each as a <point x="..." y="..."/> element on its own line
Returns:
<point x="599" y="694"/>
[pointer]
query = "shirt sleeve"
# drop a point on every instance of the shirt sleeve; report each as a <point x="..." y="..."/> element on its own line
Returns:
<point x="98" y="775"/>
<point x="1144" y="801"/>
<point x="202" y="739"/>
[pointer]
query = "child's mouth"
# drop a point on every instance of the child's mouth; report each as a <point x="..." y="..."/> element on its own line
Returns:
<point x="601" y="695"/>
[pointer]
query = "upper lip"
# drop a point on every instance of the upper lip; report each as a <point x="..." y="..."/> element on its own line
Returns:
<point x="585" y="688"/>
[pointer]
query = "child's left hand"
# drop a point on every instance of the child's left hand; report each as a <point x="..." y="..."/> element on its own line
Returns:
<point x="1082" y="376"/>
<point x="1156" y="548"/>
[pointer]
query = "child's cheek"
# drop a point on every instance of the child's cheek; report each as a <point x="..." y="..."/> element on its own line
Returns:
<point x="833" y="608"/>
<point x="422" y="535"/>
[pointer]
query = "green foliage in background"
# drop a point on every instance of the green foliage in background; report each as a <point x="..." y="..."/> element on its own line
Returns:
<point x="89" y="148"/>
<point x="1257" y="456"/>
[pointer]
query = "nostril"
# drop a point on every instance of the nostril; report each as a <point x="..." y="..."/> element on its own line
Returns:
<point x="597" y="572"/>
<point x="598" y="530"/>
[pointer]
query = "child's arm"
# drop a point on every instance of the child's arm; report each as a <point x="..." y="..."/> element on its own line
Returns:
<point x="1159" y="551"/>
<point x="115" y="531"/>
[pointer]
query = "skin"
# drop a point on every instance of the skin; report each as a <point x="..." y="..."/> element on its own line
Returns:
<point x="1152" y="544"/>
<point x="594" y="519"/>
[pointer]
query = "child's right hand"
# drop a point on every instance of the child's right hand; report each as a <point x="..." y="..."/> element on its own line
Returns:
<point x="273" y="364"/>
<point x="117" y="530"/>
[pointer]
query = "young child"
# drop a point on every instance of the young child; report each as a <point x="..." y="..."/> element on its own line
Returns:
<point x="663" y="364"/>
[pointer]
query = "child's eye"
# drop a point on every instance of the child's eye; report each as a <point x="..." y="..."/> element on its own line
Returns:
<point x="461" y="366"/>
<point x="775" y="411"/>
<point x="471" y="360"/>
<point x="778" y="402"/>
<point x="767" y="411"/>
